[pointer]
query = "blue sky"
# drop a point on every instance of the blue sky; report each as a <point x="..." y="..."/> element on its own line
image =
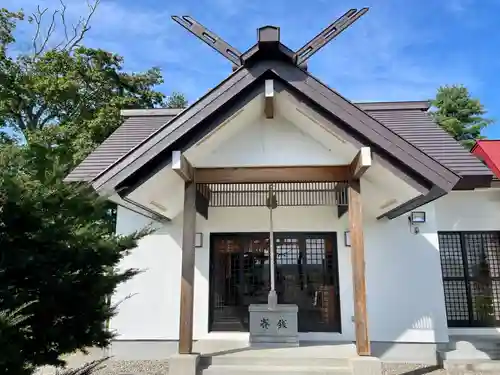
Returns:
<point x="400" y="50"/>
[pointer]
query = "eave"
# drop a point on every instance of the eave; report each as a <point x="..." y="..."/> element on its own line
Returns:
<point x="421" y="171"/>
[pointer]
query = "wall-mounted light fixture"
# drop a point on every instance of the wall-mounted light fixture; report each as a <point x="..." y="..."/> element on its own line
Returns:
<point x="347" y="238"/>
<point x="416" y="218"/>
<point x="198" y="240"/>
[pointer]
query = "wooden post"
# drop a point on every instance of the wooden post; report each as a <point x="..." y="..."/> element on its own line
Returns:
<point x="358" y="268"/>
<point x="269" y="99"/>
<point x="187" y="272"/>
<point x="182" y="166"/>
<point x="361" y="162"/>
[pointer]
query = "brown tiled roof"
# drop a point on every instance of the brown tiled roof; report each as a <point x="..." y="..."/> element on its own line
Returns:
<point x="417" y="127"/>
<point x="409" y="120"/>
<point x="133" y="131"/>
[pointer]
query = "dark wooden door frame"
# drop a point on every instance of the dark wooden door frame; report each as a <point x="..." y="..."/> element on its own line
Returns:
<point x="215" y="235"/>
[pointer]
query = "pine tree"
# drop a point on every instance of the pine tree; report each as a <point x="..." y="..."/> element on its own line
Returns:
<point x="459" y="114"/>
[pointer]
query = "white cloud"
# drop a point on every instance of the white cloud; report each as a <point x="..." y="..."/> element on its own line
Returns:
<point x="386" y="55"/>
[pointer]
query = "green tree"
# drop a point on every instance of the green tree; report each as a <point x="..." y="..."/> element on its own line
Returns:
<point x="80" y="90"/>
<point x="58" y="254"/>
<point x="11" y="326"/>
<point x="459" y="114"/>
<point x="176" y="100"/>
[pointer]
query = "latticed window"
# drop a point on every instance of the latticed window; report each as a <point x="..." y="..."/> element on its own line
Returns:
<point x="470" y="263"/>
<point x="306" y="275"/>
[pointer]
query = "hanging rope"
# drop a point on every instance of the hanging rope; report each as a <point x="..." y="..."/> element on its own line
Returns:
<point x="271" y="202"/>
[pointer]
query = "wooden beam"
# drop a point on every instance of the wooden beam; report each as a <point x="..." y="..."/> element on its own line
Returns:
<point x="272" y="174"/>
<point x="203" y="196"/>
<point x="361" y="162"/>
<point x="341" y="210"/>
<point x="187" y="270"/>
<point x="341" y="197"/>
<point x="327" y="34"/>
<point x="358" y="268"/>
<point x="269" y="99"/>
<point x="210" y="38"/>
<point x="182" y="166"/>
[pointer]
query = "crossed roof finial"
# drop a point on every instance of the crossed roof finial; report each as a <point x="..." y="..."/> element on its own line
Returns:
<point x="299" y="57"/>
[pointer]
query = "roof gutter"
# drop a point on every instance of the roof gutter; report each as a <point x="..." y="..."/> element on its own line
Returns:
<point x="154" y="215"/>
<point x="435" y="193"/>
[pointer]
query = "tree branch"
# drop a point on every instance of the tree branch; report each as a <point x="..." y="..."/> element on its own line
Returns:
<point x="63" y="19"/>
<point x="19" y="121"/>
<point x="52" y="27"/>
<point x="69" y="41"/>
<point x="65" y="26"/>
<point x="44" y="122"/>
<point x="38" y="114"/>
<point x="37" y="18"/>
<point x="82" y="27"/>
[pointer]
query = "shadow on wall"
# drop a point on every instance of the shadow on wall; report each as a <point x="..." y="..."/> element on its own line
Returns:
<point x="404" y="287"/>
<point x="405" y="299"/>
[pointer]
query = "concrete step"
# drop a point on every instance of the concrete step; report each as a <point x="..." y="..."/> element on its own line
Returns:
<point x="266" y="360"/>
<point x="475" y="366"/>
<point x="471" y="348"/>
<point x="480" y="345"/>
<point x="270" y="370"/>
<point x="469" y="355"/>
<point x="230" y="358"/>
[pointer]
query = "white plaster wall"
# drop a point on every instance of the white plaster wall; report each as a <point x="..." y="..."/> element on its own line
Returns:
<point x="149" y="303"/>
<point x="469" y="210"/>
<point x="405" y="297"/>
<point x="273" y="142"/>
<point x="404" y="288"/>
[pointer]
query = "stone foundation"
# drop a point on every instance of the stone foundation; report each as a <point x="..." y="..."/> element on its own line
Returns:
<point x="183" y="364"/>
<point x="276" y="326"/>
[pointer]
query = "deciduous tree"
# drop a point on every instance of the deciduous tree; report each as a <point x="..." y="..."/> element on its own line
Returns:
<point x="73" y="91"/>
<point x="58" y="255"/>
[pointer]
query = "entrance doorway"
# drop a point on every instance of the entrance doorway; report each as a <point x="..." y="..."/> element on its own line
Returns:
<point x="306" y="275"/>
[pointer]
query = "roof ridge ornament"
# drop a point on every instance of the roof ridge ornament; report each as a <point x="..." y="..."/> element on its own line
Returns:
<point x="327" y="34"/>
<point x="210" y="38"/>
<point x="269" y="39"/>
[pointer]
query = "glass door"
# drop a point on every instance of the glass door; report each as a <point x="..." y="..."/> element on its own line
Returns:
<point x="306" y="275"/>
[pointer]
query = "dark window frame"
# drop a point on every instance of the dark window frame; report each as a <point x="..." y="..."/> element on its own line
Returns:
<point x="465" y="245"/>
<point x="280" y="240"/>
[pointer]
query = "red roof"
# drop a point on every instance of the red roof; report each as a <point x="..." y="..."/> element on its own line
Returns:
<point x="489" y="151"/>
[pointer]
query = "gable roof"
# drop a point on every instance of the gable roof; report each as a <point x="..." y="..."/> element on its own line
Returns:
<point x="422" y="152"/>
<point x="364" y="128"/>
<point x="489" y="151"/>
<point x="408" y="119"/>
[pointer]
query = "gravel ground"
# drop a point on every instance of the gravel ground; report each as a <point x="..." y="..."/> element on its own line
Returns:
<point x="411" y="369"/>
<point x="134" y="367"/>
<point x="161" y="368"/>
<point x="417" y="369"/>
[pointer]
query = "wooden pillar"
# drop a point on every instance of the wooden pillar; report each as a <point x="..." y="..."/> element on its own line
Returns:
<point x="187" y="272"/>
<point x="358" y="267"/>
